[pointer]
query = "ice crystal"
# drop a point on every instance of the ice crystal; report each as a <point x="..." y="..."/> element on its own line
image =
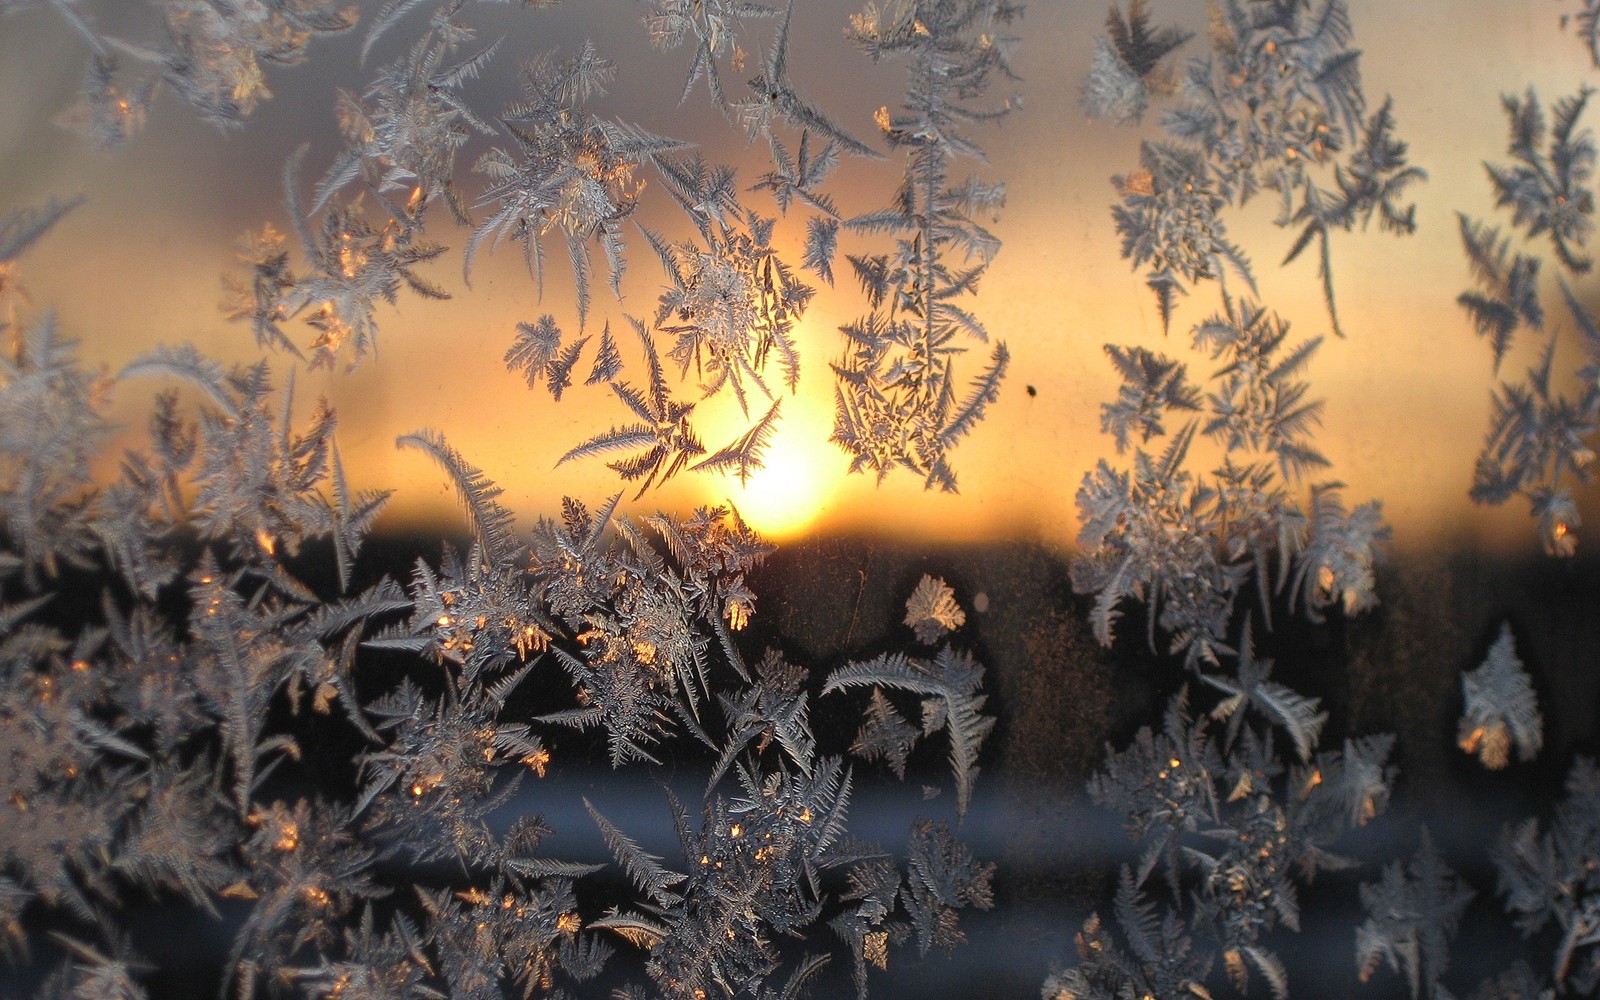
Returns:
<point x="1144" y="537"/>
<point x="753" y="870"/>
<point x="661" y="429"/>
<point x="1337" y="562"/>
<point x="1550" y="877"/>
<point x="1152" y="385"/>
<point x="354" y="264"/>
<point x="1538" y="438"/>
<point x="931" y="611"/>
<point x="107" y="111"/>
<point x="219" y="46"/>
<point x="394" y="11"/>
<point x="1509" y="290"/>
<point x="744" y="454"/>
<point x="1586" y="24"/>
<point x="773" y="99"/>
<point x="951" y="683"/>
<point x="1375" y="178"/>
<point x="1296" y="714"/>
<point x="1500" y="709"/>
<point x="538" y="353"/>
<point x="566" y="170"/>
<point x="799" y="176"/>
<point x="714" y="26"/>
<point x="1412" y="913"/>
<point x="51" y="408"/>
<point x="885" y="734"/>
<point x="731" y="301"/>
<point x="731" y="307"/>
<point x="258" y="484"/>
<point x="1270" y="109"/>
<point x="1260" y="404"/>
<point x="307" y="872"/>
<point x="1169" y="220"/>
<point x="942" y="877"/>
<point x="215" y="54"/>
<point x="1538" y="435"/>
<point x="1548" y="192"/>
<point x="535" y="351"/>
<point x="1160" y="958"/>
<point x="1112" y="89"/>
<point x="1224" y="820"/>
<point x="1185" y="543"/>
<point x="1139" y="46"/>
<point x="1128" y="64"/>
<point x="1163" y="784"/>
<point x="405" y="129"/>
<point x="896" y="398"/>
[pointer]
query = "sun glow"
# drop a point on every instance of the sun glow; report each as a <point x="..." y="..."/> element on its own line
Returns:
<point x="801" y="473"/>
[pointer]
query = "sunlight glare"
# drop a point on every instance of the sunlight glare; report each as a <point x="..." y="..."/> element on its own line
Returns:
<point x="801" y="473"/>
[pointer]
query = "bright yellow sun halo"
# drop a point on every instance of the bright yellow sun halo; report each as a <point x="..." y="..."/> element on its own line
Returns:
<point x="800" y="472"/>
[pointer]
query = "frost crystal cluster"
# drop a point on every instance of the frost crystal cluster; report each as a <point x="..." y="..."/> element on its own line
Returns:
<point x="1500" y="709"/>
<point x="239" y="727"/>
<point x="1540" y="434"/>
<point x="213" y="703"/>
<point x="1271" y="109"/>
<point x="898" y="401"/>
<point x="1268" y="110"/>
<point x="1226" y="830"/>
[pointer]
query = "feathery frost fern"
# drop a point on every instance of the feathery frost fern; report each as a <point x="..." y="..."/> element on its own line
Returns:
<point x="1499" y="708"/>
<point x="1540" y="433"/>
<point x="1271" y="109"/>
<point x="898" y="402"/>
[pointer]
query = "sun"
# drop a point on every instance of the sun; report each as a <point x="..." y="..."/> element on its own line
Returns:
<point x="800" y="474"/>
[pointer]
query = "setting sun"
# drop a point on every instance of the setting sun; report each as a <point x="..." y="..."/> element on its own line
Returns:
<point x="801" y="473"/>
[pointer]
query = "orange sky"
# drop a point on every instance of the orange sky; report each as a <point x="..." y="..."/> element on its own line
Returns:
<point x="1407" y="394"/>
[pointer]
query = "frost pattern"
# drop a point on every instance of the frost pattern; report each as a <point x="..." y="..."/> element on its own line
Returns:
<point x="1539" y="441"/>
<point x="1500" y="710"/>
<point x="241" y="719"/>
<point x="897" y="401"/>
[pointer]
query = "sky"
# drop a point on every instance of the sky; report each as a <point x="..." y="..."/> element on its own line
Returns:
<point x="1407" y="393"/>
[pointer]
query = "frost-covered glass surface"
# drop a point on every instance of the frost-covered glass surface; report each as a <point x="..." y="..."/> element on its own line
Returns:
<point x="1174" y="424"/>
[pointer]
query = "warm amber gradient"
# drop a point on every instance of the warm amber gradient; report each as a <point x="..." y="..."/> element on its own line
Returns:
<point x="1407" y="394"/>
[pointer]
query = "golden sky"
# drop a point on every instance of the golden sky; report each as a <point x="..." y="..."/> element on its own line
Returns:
<point x="1407" y="393"/>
